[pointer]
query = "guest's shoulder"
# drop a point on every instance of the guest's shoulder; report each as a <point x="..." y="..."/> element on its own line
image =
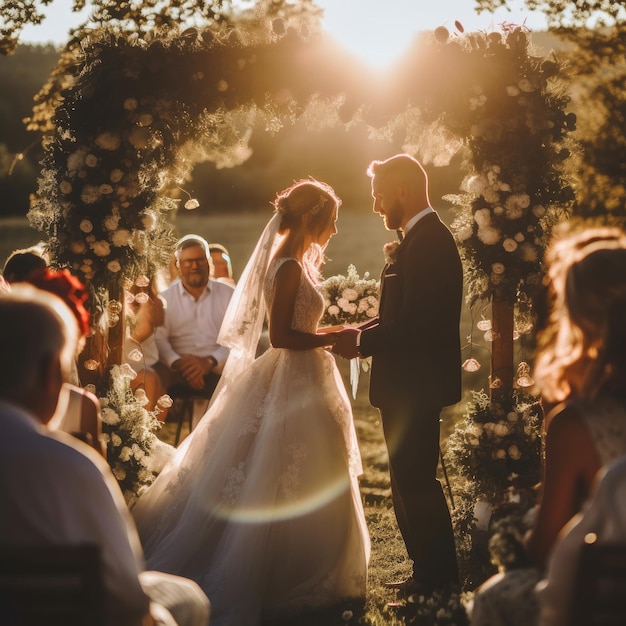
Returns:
<point x="220" y="287"/>
<point x="64" y="449"/>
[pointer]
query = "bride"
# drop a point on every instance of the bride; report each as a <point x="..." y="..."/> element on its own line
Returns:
<point x="261" y="505"/>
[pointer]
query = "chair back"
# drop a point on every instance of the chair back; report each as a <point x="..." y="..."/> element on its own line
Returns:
<point x="51" y="585"/>
<point x="600" y="591"/>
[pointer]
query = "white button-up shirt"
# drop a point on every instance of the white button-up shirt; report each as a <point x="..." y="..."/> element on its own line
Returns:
<point x="192" y="326"/>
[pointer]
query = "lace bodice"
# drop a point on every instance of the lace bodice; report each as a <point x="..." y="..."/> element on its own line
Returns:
<point x="606" y="420"/>
<point x="309" y="305"/>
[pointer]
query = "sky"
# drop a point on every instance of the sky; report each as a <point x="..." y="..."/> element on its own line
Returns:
<point x="378" y="35"/>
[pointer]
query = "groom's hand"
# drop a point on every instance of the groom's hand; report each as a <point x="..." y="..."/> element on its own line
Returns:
<point x="346" y="343"/>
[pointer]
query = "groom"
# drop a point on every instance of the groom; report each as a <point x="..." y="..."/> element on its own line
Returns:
<point x="416" y="364"/>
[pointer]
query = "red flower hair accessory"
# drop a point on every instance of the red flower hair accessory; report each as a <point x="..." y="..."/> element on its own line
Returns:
<point x="68" y="287"/>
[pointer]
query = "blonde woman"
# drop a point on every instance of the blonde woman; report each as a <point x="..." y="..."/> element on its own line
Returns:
<point x="261" y="504"/>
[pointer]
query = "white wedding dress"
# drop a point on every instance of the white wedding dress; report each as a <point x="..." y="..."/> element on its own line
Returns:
<point x="261" y="504"/>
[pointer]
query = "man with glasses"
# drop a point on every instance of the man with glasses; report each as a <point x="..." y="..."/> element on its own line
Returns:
<point x="189" y="356"/>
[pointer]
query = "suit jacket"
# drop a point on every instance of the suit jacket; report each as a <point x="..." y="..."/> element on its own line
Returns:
<point x="416" y="347"/>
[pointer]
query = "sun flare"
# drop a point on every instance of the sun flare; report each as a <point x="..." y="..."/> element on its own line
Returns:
<point x="375" y="32"/>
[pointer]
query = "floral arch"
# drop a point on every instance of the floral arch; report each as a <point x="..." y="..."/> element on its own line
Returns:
<point x="138" y="114"/>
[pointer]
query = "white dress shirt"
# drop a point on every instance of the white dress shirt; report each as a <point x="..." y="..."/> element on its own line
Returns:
<point x="192" y="326"/>
<point x="56" y="490"/>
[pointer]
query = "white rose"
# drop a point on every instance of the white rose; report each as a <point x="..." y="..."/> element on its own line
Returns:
<point x="333" y="310"/>
<point x="114" y="266"/>
<point x="125" y="454"/>
<point x="109" y="416"/>
<point x="500" y="454"/>
<point x="116" y="175"/>
<point x="514" y="453"/>
<point x="119" y="472"/>
<point x="65" y="187"/>
<point x="76" y="160"/>
<point x="498" y="268"/>
<point x="350" y="294"/>
<point x="529" y="252"/>
<point x="512" y="416"/>
<point x="78" y="247"/>
<point x="90" y="194"/>
<point x="108" y="141"/>
<point x="482" y="217"/>
<point x="121" y="237"/>
<point x="101" y="248"/>
<point x="510" y="245"/>
<point x="489" y="236"/>
<point x="116" y="440"/>
<point x="105" y="189"/>
<point x="91" y="160"/>
<point x="86" y="226"/>
<point x="501" y="430"/>
<point x="110" y="222"/>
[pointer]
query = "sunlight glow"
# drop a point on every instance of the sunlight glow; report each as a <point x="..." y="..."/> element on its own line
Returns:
<point x="379" y="31"/>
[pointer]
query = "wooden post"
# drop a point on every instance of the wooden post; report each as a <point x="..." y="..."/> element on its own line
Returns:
<point x="117" y="331"/>
<point x="502" y="350"/>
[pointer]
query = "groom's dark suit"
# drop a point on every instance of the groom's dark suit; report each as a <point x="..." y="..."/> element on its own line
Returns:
<point x="416" y="371"/>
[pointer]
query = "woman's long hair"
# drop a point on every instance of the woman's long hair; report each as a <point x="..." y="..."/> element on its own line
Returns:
<point x="582" y="350"/>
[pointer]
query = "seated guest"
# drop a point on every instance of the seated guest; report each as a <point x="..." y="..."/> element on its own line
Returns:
<point x="222" y="265"/>
<point x="604" y="519"/>
<point x="581" y="364"/>
<point x="81" y="415"/>
<point x="189" y="356"/>
<point x="20" y="263"/>
<point x="56" y="490"/>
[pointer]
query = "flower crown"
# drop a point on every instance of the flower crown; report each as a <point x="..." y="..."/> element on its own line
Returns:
<point x="321" y="203"/>
<point x="68" y="287"/>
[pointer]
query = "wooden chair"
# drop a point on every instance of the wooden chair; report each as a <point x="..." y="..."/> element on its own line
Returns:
<point x="188" y="397"/>
<point x="600" y="590"/>
<point x="51" y="585"/>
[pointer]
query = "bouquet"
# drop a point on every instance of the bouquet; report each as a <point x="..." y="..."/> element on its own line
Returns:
<point x="349" y="300"/>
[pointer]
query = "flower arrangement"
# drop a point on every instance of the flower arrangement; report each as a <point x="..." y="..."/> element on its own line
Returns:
<point x="498" y="450"/>
<point x="349" y="299"/>
<point x="516" y="188"/>
<point x="495" y="453"/>
<point x="134" y="452"/>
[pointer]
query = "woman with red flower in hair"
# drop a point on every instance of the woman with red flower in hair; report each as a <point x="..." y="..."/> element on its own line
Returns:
<point x="81" y="416"/>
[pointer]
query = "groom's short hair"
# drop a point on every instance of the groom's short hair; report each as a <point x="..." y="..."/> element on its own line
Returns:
<point x="402" y="165"/>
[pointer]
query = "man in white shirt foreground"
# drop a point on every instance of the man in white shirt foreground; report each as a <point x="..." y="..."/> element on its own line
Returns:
<point x="189" y="355"/>
<point x="55" y="489"/>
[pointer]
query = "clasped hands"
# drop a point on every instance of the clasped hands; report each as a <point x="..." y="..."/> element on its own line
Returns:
<point x="194" y="369"/>
<point x="345" y="346"/>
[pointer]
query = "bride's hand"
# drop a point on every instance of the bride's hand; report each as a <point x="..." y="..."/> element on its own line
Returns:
<point x="345" y="346"/>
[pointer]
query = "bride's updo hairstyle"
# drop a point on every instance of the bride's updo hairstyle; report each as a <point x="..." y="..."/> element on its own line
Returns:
<point x="306" y="197"/>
